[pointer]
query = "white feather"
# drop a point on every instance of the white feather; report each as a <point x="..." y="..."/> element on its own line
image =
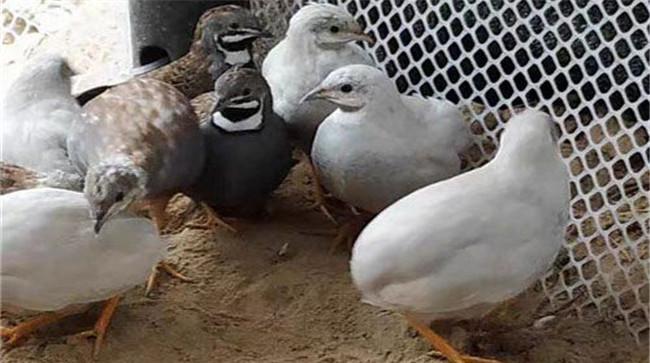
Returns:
<point x="237" y="57"/>
<point x="252" y="123"/>
<point x="445" y="120"/>
<point x="456" y="248"/>
<point x="296" y="65"/>
<point x="235" y="38"/>
<point x="393" y="144"/>
<point x="37" y="113"/>
<point x="51" y="257"/>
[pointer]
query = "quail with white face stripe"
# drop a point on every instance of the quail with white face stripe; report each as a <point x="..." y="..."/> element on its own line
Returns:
<point x="223" y="38"/>
<point x="248" y="153"/>
<point x="228" y="39"/>
<point x="240" y="115"/>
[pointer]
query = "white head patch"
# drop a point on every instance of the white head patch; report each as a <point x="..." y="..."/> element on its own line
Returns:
<point x="252" y="123"/>
<point x="237" y="57"/>
<point x="234" y="57"/>
<point x="236" y="38"/>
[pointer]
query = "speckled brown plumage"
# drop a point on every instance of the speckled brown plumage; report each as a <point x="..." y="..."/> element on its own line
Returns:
<point x="14" y="178"/>
<point x="147" y="122"/>
<point x="138" y="143"/>
<point x="203" y="105"/>
<point x="191" y="73"/>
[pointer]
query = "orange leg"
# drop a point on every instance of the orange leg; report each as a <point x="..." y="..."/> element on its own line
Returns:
<point x="214" y="219"/>
<point x="321" y="203"/>
<point x="103" y="322"/>
<point x="13" y="336"/>
<point x="101" y="325"/>
<point x="441" y="345"/>
<point x="151" y="281"/>
<point x="467" y="358"/>
<point x="157" y="212"/>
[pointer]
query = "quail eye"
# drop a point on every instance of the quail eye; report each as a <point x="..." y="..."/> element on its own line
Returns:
<point x="234" y="25"/>
<point x="247" y="91"/>
<point x="334" y="29"/>
<point x="119" y="197"/>
<point x="346" y="88"/>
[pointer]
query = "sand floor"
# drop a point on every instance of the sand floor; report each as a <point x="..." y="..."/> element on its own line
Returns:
<point x="255" y="301"/>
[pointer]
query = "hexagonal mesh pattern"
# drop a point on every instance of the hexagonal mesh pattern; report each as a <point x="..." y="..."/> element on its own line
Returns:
<point x="583" y="62"/>
<point x="26" y="22"/>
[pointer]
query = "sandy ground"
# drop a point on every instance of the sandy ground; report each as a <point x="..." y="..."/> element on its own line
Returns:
<point x="274" y="293"/>
<point x="251" y="303"/>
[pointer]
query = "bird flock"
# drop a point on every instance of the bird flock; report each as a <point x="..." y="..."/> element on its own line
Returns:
<point x="439" y="244"/>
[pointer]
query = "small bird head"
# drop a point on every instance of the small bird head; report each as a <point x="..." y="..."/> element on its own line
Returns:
<point x="529" y="137"/>
<point x="240" y="89"/>
<point x="351" y="87"/>
<point x="329" y="25"/>
<point x="111" y="189"/>
<point x="47" y="73"/>
<point x="54" y="64"/>
<point x="531" y="128"/>
<point x="229" y="28"/>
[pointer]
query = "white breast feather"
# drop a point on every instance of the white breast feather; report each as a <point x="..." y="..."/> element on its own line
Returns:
<point x="52" y="257"/>
<point x="250" y="124"/>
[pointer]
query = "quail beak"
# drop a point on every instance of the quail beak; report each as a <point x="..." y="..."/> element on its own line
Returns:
<point x="315" y="94"/>
<point x="100" y="218"/>
<point x="355" y="33"/>
<point x="102" y="213"/>
<point x="361" y="36"/>
<point x="261" y="33"/>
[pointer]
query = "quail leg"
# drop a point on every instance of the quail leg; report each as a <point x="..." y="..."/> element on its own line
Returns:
<point x="159" y="215"/>
<point x="151" y="281"/>
<point x="321" y="203"/>
<point x="101" y="325"/>
<point x="12" y="337"/>
<point x="441" y="345"/>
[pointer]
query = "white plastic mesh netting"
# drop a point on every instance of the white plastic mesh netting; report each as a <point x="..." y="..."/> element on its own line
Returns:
<point x="90" y="34"/>
<point x="25" y="23"/>
<point x="584" y="62"/>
